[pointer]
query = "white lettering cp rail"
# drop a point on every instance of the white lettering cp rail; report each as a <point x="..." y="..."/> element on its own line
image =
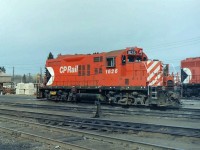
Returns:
<point x="68" y="69"/>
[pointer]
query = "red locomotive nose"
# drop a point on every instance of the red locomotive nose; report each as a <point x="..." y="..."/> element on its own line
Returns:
<point x="190" y="77"/>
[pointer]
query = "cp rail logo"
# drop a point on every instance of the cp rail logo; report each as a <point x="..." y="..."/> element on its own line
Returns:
<point x="68" y="69"/>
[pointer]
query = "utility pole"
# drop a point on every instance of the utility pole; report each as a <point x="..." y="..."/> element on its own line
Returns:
<point x="40" y="74"/>
<point x="13" y="77"/>
<point x="29" y="77"/>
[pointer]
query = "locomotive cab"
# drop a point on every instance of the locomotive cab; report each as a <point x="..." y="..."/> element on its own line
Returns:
<point x="133" y="55"/>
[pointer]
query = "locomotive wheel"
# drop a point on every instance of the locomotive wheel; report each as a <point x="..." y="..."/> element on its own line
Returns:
<point x="129" y="101"/>
<point x="125" y="101"/>
<point x="122" y="101"/>
<point x="139" y="101"/>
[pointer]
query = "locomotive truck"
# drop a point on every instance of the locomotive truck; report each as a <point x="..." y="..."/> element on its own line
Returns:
<point x="190" y="77"/>
<point x="123" y="77"/>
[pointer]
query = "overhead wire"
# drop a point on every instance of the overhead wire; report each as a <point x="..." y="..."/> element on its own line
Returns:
<point x="196" y="39"/>
<point x="167" y="45"/>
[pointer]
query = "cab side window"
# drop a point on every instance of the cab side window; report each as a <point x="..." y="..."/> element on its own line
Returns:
<point x="123" y="59"/>
<point x="131" y="58"/>
<point x="110" y="62"/>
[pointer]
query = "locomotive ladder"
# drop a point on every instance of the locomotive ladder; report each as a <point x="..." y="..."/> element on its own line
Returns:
<point x="154" y="92"/>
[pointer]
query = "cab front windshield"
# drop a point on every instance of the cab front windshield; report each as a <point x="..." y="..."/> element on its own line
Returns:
<point x="132" y="58"/>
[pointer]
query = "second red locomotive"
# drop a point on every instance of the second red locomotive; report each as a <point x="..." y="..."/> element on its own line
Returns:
<point x="190" y="77"/>
<point x="123" y="76"/>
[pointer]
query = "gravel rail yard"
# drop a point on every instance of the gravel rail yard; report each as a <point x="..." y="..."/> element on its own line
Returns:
<point x="68" y="138"/>
<point x="102" y="125"/>
<point x="180" y="113"/>
<point x="135" y="128"/>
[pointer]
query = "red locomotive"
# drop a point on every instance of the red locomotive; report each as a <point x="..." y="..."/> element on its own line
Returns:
<point x="190" y="77"/>
<point x="124" y="77"/>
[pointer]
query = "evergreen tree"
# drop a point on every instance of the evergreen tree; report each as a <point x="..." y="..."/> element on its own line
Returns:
<point x="50" y="56"/>
<point x="24" y="78"/>
<point x="47" y="74"/>
<point x="2" y="69"/>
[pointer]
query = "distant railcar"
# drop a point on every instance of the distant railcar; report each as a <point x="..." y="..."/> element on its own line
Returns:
<point x="190" y="77"/>
<point x="125" y="77"/>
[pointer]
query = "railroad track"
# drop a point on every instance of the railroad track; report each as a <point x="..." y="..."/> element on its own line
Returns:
<point x="181" y="113"/>
<point x="191" y="98"/>
<point x="103" y="125"/>
<point x="69" y="138"/>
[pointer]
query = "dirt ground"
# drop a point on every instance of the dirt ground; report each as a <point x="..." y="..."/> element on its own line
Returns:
<point x="9" y="142"/>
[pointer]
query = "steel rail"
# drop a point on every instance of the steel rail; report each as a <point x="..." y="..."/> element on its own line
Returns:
<point x="41" y="139"/>
<point x="104" y="125"/>
<point x="88" y="135"/>
<point x="193" y="114"/>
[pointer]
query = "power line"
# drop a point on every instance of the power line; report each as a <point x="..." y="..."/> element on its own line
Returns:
<point x="196" y="39"/>
<point x="175" y="45"/>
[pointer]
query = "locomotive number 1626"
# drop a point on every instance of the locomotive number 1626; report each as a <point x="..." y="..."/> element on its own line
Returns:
<point x="111" y="71"/>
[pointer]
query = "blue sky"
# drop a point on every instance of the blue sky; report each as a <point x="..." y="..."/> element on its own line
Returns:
<point x="29" y="29"/>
